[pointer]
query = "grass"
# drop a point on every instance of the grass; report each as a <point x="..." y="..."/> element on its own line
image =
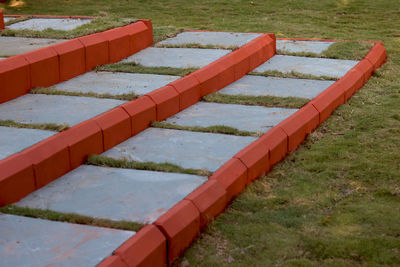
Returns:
<point x="222" y="129"/>
<point x="195" y="45"/>
<point x="352" y="50"/>
<point x="97" y="160"/>
<point x="39" y="126"/>
<point x="69" y="218"/>
<point x="335" y="200"/>
<point x="266" y="101"/>
<point x="292" y="74"/>
<point x="136" y="68"/>
<point x="53" y="91"/>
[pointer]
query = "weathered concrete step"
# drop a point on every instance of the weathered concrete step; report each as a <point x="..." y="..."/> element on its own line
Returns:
<point x="58" y="109"/>
<point x="226" y="39"/>
<point x="13" y="140"/>
<point x="245" y="118"/>
<point x="116" y="83"/>
<point x="10" y="46"/>
<point x="34" y="242"/>
<point x="281" y="87"/>
<point x="307" y="65"/>
<point x="40" y="24"/>
<point x="113" y="193"/>
<point x="176" y="57"/>
<point x="294" y="46"/>
<point x="186" y="149"/>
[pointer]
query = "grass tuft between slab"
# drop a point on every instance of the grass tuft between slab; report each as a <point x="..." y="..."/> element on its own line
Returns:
<point x="38" y="126"/>
<point x="292" y="74"/>
<point x="196" y="45"/>
<point x="69" y="218"/>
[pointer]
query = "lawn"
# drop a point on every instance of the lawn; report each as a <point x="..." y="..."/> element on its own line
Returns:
<point x="335" y="201"/>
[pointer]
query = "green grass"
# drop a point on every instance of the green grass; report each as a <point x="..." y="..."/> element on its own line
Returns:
<point x="195" y="45"/>
<point x="292" y="74"/>
<point x="335" y="200"/>
<point x="69" y="217"/>
<point x="97" y="160"/>
<point x="266" y="101"/>
<point x="136" y="68"/>
<point x="222" y="129"/>
<point x="53" y="91"/>
<point x="39" y="126"/>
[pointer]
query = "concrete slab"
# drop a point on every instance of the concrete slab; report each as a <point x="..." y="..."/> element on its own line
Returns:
<point x="14" y="140"/>
<point x="34" y="242"/>
<point x="58" y="109"/>
<point x="186" y="149"/>
<point x="116" y="83"/>
<point x="307" y="65"/>
<point x="115" y="194"/>
<point x="273" y="86"/>
<point x="245" y="118"/>
<point x="7" y="19"/>
<point x="40" y="24"/>
<point x="224" y="39"/>
<point x="294" y="46"/>
<point x="176" y="57"/>
<point x="17" y="45"/>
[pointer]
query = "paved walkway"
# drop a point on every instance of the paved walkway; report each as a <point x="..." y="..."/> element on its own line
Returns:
<point x="136" y="195"/>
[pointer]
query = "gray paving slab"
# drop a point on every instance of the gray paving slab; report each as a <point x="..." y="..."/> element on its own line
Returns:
<point x="307" y="65"/>
<point x="245" y="118"/>
<point x="224" y="39"/>
<point x="38" y="108"/>
<point x="115" y="83"/>
<point x="40" y="24"/>
<point x="295" y="46"/>
<point x="35" y="243"/>
<point x="17" y="45"/>
<point x="176" y="57"/>
<point x="7" y="19"/>
<point x="115" y="194"/>
<point x="14" y="140"/>
<point x="274" y="86"/>
<point x="186" y="149"/>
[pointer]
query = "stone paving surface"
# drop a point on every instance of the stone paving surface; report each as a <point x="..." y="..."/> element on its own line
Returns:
<point x="40" y="24"/>
<point x="7" y="19"/>
<point x="113" y="193"/>
<point x="186" y="149"/>
<point x="307" y="65"/>
<point x="245" y="118"/>
<point x="294" y="46"/>
<point x="281" y="87"/>
<point x="38" y="108"/>
<point x="17" y="45"/>
<point x="115" y="83"/>
<point x="14" y="140"/>
<point x="225" y="39"/>
<point x="34" y="242"/>
<point x="176" y="57"/>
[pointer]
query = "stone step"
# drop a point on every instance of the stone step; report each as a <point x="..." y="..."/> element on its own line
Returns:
<point x="295" y="46"/>
<point x="10" y="46"/>
<point x="40" y="24"/>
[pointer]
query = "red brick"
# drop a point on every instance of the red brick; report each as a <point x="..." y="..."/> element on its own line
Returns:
<point x="140" y="36"/>
<point x="299" y="125"/>
<point x="83" y="140"/>
<point x="142" y="112"/>
<point x="276" y="140"/>
<point x="149" y="34"/>
<point x="327" y="101"/>
<point x="1" y="18"/>
<point x="148" y="247"/>
<point x="259" y="50"/>
<point x="232" y="176"/>
<point x="210" y="199"/>
<point x="14" y="78"/>
<point x="181" y="225"/>
<point x="71" y="55"/>
<point x="242" y="63"/>
<point x="167" y="101"/>
<point x="50" y="159"/>
<point x="44" y="67"/>
<point x="116" y="127"/>
<point x="16" y="178"/>
<point x="365" y="67"/>
<point x="256" y="158"/>
<point x="189" y="89"/>
<point x="351" y="82"/>
<point x="273" y="37"/>
<point x="377" y="55"/>
<point x="96" y="50"/>
<point x="118" y="43"/>
<point x="112" y="261"/>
